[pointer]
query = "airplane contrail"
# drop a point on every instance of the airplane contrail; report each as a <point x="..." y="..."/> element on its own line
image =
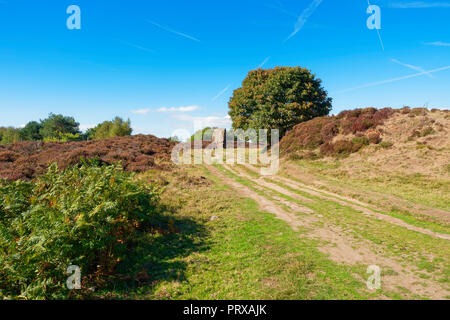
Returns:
<point x="221" y="92"/>
<point x="263" y="63"/>
<point x="304" y="17"/>
<point x="412" y="67"/>
<point x="173" y="31"/>
<point x="392" y="80"/>
<point x="137" y="46"/>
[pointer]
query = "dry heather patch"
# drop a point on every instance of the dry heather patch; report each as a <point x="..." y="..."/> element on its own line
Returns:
<point x="404" y="140"/>
<point x="25" y="160"/>
<point x="343" y="134"/>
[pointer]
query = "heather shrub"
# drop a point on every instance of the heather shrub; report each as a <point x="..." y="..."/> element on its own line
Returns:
<point x="28" y="159"/>
<point x="361" y="120"/>
<point x="343" y="147"/>
<point x="359" y="142"/>
<point x="373" y="136"/>
<point x="310" y="134"/>
<point x="86" y="215"/>
<point x="8" y="156"/>
<point x="320" y="132"/>
<point x="327" y="148"/>
<point x="405" y="110"/>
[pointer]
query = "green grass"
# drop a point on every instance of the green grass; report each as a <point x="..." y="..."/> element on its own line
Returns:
<point x="246" y="253"/>
<point x="399" y="214"/>
<point x="410" y="246"/>
<point x="415" y="188"/>
<point x="243" y="254"/>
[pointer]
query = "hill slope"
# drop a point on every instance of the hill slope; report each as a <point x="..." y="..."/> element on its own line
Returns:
<point x="412" y="141"/>
<point x="25" y="160"/>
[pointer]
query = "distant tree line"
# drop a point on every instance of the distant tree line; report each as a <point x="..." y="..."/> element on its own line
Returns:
<point x="59" y="128"/>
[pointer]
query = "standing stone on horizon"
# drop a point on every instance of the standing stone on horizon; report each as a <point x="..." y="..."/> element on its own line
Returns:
<point x="219" y="137"/>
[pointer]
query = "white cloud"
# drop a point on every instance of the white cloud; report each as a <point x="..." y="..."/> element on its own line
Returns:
<point x="84" y="127"/>
<point x="419" y="5"/>
<point x="165" y="109"/>
<point x="209" y="121"/>
<point x="141" y="111"/>
<point x="179" y="109"/>
<point x="438" y="44"/>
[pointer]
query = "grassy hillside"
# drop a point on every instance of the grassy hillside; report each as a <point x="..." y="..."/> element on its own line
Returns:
<point x="367" y="187"/>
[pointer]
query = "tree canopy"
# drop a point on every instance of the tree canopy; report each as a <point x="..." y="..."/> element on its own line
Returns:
<point x="59" y="128"/>
<point x="56" y="125"/>
<point x="107" y="129"/>
<point x="9" y="135"/>
<point x="31" y="132"/>
<point x="204" y="134"/>
<point x="278" y="98"/>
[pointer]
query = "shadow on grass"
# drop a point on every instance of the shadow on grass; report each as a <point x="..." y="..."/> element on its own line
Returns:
<point x="156" y="255"/>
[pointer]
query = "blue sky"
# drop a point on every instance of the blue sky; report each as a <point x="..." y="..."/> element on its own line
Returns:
<point x="164" y="64"/>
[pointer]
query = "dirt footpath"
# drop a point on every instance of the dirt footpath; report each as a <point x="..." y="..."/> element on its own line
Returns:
<point x="335" y="242"/>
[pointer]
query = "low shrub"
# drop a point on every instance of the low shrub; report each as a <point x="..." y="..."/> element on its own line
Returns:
<point x="419" y="111"/>
<point x="386" y="144"/>
<point x="405" y="110"/>
<point x="327" y="148"/>
<point x="8" y="156"/>
<point x="364" y="141"/>
<point x="308" y="155"/>
<point x="359" y="142"/>
<point x="320" y="132"/>
<point x="64" y="137"/>
<point x="373" y="136"/>
<point x="343" y="147"/>
<point x="25" y="160"/>
<point x="427" y="131"/>
<point x="86" y="216"/>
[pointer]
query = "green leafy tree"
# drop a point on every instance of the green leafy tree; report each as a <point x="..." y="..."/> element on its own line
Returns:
<point x="204" y="134"/>
<point x="9" y="135"/>
<point x="56" y="125"/>
<point x="174" y="139"/>
<point x="115" y="128"/>
<point x="31" y="131"/>
<point x="64" y="137"/>
<point x="278" y="98"/>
